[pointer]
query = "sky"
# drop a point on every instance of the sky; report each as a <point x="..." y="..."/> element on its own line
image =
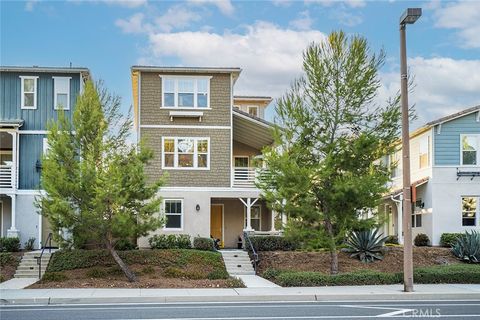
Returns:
<point x="265" y="39"/>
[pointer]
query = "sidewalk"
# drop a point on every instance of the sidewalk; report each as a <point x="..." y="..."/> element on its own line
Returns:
<point x="105" y="296"/>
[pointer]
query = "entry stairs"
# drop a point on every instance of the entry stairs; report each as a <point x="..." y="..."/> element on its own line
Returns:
<point x="28" y="267"/>
<point x="237" y="262"/>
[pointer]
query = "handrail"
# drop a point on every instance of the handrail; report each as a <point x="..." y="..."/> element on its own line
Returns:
<point x="39" y="258"/>
<point x="254" y="253"/>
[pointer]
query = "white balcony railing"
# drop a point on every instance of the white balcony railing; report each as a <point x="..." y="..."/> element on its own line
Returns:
<point x="6" y="176"/>
<point x="245" y="176"/>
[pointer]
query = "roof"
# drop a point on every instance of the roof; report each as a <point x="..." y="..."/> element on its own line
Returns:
<point x="44" y="69"/>
<point x="11" y="123"/>
<point x="255" y="98"/>
<point x="251" y="130"/>
<point x="252" y="117"/>
<point x="397" y="192"/>
<point x="188" y="69"/>
<point x="454" y="116"/>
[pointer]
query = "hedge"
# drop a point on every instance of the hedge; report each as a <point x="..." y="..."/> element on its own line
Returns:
<point x="200" y="243"/>
<point x="421" y="240"/>
<point x="449" y="239"/>
<point x="171" y="241"/>
<point x="9" y="244"/>
<point x="459" y="273"/>
<point x="272" y="243"/>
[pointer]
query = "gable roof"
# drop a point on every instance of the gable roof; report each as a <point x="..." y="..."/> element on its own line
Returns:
<point x="44" y="69"/>
<point x="453" y="116"/>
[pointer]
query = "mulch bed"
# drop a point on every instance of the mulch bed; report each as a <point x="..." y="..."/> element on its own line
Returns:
<point x="8" y="271"/>
<point x="320" y="261"/>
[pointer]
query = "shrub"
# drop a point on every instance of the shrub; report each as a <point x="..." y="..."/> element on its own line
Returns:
<point x="449" y="239"/>
<point x="203" y="244"/>
<point x="174" y="272"/>
<point x="234" y="283"/>
<point x="467" y="247"/>
<point x="421" y="240"/>
<point x="96" y="272"/>
<point x="218" y="274"/>
<point x="455" y="273"/>
<point x="148" y="270"/>
<point x="6" y="258"/>
<point x="30" y="244"/>
<point x="271" y="273"/>
<point x="272" y="243"/>
<point x="54" y="277"/>
<point x="391" y="240"/>
<point x="124" y="244"/>
<point x="171" y="241"/>
<point x="366" y="245"/>
<point x="9" y="244"/>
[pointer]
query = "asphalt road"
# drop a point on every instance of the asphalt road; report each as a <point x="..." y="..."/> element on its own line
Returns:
<point x="249" y="311"/>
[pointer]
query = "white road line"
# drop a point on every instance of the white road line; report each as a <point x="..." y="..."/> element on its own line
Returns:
<point x="394" y="313"/>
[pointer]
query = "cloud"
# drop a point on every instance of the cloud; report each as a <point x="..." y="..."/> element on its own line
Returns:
<point x="281" y="3"/>
<point x="303" y="22"/>
<point x="463" y="17"/>
<point x="225" y="6"/>
<point x="176" y="17"/>
<point x="347" y="18"/>
<point x="30" y="5"/>
<point x="329" y="3"/>
<point x="270" y="56"/>
<point x="126" y="3"/>
<point x="442" y="86"/>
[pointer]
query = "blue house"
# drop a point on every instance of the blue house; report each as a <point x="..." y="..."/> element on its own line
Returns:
<point x="29" y="98"/>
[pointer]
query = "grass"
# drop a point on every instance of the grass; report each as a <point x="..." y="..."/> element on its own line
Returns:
<point x="458" y="273"/>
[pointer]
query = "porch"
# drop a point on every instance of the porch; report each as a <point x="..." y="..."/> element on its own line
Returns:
<point x="231" y="217"/>
<point x="8" y="159"/>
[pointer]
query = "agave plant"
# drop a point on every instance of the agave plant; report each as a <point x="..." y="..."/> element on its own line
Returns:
<point x="467" y="247"/>
<point x="365" y="245"/>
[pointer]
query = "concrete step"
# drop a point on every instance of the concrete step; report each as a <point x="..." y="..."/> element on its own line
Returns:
<point x="243" y="273"/>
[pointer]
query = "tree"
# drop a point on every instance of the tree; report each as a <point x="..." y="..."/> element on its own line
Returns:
<point x="96" y="188"/>
<point x="323" y="170"/>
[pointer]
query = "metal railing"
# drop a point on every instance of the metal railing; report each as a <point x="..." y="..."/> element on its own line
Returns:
<point x="248" y="243"/>
<point x="6" y="176"/>
<point x="39" y="258"/>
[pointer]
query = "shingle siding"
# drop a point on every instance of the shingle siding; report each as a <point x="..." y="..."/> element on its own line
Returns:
<point x="151" y="99"/>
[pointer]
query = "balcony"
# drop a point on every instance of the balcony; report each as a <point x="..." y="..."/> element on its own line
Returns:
<point x="7" y="176"/>
<point x="245" y="177"/>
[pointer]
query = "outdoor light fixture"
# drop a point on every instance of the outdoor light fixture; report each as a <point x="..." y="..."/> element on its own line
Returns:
<point x="410" y="15"/>
<point x="197" y="207"/>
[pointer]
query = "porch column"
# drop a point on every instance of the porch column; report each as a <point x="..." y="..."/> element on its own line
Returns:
<point x="248" y="204"/>
<point x="400" y="221"/>
<point x="13" y="232"/>
<point x="272" y="227"/>
<point x="284" y="219"/>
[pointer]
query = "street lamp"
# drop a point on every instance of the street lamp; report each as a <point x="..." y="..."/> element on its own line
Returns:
<point x="408" y="17"/>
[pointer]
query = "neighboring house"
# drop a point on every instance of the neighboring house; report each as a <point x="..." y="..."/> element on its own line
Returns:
<point x="209" y="144"/>
<point x="29" y="98"/>
<point x="445" y="175"/>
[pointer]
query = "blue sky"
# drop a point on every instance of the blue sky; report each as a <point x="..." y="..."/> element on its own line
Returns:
<point x="266" y="39"/>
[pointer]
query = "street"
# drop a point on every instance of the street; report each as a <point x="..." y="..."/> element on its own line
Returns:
<point x="455" y="309"/>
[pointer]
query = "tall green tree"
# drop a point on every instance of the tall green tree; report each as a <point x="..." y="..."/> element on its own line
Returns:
<point x="96" y="187"/>
<point x="329" y="135"/>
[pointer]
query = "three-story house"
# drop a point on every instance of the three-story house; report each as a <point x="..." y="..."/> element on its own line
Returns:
<point x="29" y="98"/>
<point x="207" y="142"/>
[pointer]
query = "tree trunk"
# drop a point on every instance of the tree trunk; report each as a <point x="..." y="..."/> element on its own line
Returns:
<point x="333" y="248"/>
<point x="128" y="273"/>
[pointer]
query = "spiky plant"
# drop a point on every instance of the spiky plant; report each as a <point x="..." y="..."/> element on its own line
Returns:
<point x="365" y="245"/>
<point x="467" y="247"/>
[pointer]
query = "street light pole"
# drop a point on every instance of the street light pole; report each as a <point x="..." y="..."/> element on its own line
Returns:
<point x="408" y="17"/>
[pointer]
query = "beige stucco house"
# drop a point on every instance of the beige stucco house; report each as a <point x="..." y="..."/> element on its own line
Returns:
<point x="208" y="142"/>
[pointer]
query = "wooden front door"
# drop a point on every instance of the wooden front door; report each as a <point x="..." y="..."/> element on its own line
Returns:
<point x="216" y="222"/>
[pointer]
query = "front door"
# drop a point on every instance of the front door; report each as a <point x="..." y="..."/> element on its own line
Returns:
<point x="216" y="222"/>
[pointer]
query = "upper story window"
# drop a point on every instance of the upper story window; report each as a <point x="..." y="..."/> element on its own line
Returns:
<point x="29" y="92"/>
<point x="185" y="92"/>
<point x="469" y="211"/>
<point x="61" y="99"/>
<point x="185" y="153"/>
<point x="469" y="146"/>
<point x="394" y="164"/>
<point x="423" y="152"/>
<point x="253" y="110"/>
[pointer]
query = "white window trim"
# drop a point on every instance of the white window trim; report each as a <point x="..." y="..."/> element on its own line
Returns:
<point x="242" y="157"/>
<point x="195" y="154"/>
<point x="478" y="149"/>
<point x="181" y="215"/>
<point x="55" y="106"/>
<point x="477" y="212"/>
<point x="253" y="107"/>
<point x="195" y="92"/>
<point x="22" y="97"/>
<point x="259" y="216"/>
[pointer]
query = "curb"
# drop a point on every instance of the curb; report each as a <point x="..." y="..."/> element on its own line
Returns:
<point x="241" y="298"/>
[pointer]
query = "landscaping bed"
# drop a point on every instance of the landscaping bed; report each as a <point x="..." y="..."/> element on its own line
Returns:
<point x="8" y="264"/>
<point x="166" y="268"/>
<point x="320" y="261"/>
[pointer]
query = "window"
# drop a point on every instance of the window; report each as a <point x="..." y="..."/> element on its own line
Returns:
<point x="469" y="211"/>
<point x="5" y="157"/>
<point x="185" y="153"/>
<point x="423" y="152"/>
<point x="173" y="209"/>
<point x="255" y="217"/>
<point x="469" y="149"/>
<point x="61" y="98"/>
<point x="395" y="164"/>
<point x="29" y="92"/>
<point x="253" y="110"/>
<point x="417" y="214"/>
<point x="185" y="92"/>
